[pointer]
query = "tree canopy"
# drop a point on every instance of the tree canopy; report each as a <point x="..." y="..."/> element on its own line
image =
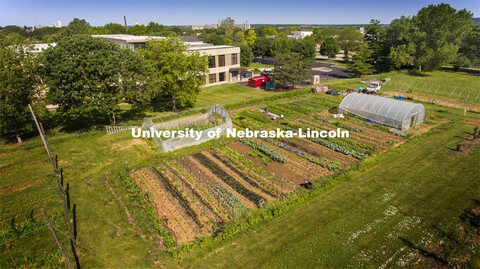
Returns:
<point x="291" y="70"/>
<point x="88" y="77"/>
<point x="329" y="47"/>
<point x="180" y="73"/>
<point x="430" y="39"/>
<point x="19" y="84"/>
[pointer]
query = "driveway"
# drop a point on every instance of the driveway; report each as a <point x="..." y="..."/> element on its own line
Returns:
<point x="327" y="71"/>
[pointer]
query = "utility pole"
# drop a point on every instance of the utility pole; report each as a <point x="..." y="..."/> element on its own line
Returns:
<point x="60" y="246"/>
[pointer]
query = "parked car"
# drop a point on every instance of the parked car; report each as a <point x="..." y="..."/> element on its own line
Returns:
<point x="374" y="87"/>
<point x="267" y="73"/>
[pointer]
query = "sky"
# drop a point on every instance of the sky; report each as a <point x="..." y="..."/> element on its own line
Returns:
<point x="188" y="12"/>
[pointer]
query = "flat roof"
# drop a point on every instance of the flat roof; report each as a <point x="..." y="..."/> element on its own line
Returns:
<point x="129" y="38"/>
<point x="195" y="45"/>
<point x="211" y="47"/>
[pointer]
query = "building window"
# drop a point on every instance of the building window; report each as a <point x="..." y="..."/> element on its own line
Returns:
<point x="221" y="76"/>
<point x="234" y="58"/>
<point x="211" y="62"/>
<point x="221" y="60"/>
<point x="212" y="78"/>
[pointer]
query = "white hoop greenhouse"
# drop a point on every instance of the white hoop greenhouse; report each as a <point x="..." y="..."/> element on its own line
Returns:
<point x="202" y="119"/>
<point x="391" y="112"/>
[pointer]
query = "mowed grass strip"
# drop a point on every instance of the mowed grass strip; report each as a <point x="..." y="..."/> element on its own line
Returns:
<point x="375" y="218"/>
<point x="229" y="93"/>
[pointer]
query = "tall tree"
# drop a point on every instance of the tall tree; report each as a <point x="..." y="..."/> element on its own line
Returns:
<point x="374" y="36"/>
<point x="291" y="70"/>
<point x="471" y="45"/>
<point x="250" y="38"/>
<point x="87" y="79"/>
<point x="306" y="47"/>
<point x="239" y="37"/>
<point x="262" y="47"/>
<point x="114" y="28"/>
<point x="361" y="62"/>
<point x="226" y="28"/>
<point x="270" y="31"/>
<point x="329" y="47"/>
<point x="19" y="82"/>
<point x="180" y="73"/>
<point x="348" y="39"/>
<point x="79" y="26"/>
<point x="432" y="37"/>
<point x="246" y="55"/>
<point x="281" y="45"/>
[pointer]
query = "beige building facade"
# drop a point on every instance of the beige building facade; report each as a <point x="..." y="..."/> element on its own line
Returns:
<point x="223" y="63"/>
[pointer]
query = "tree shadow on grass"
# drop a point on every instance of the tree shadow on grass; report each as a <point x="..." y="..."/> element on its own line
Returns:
<point x="423" y="252"/>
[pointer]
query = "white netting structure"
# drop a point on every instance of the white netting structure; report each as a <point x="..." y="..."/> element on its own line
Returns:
<point x="395" y="113"/>
<point x="203" y="119"/>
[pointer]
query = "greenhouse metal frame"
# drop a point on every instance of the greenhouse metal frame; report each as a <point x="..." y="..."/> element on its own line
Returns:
<point x="395" y="113"/>
<point x="205" y="119"/>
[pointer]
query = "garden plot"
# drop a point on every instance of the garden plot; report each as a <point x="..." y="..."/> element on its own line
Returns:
<point x="239" y="177"/>
<point x="197" y="193"/>
<point x="264" y="178"/>
<point x="176" y="219"/>
<point x="288" y="171"/>
<point x="321" y="152"/>
<point x="212" y="179"/>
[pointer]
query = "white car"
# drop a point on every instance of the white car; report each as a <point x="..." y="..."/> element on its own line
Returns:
<point x="374" y="87"/>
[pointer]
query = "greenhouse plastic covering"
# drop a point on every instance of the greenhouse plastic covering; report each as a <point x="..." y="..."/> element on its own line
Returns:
<point x="391" y="112"/>
<point x="199" y="119"/>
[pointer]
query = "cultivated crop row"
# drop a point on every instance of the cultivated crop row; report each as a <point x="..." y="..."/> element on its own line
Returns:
<point x="215" y="169"/>
<point x="266" y="150"/>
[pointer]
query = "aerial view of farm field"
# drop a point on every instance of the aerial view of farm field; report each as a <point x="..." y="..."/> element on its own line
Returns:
<point x="309" y="143"/>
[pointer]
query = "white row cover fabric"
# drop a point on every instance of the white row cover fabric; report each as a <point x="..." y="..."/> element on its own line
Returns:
<point x="391" y="112"/>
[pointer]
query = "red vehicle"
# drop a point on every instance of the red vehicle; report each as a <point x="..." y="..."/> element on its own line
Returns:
<point x="258" y="81"/>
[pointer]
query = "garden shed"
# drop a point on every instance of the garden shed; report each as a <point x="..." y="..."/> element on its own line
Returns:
<point x="391" y="112"/>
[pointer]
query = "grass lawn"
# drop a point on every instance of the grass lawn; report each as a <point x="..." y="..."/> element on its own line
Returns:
<point x="229" y="93"/>
<point x="102" y="222"/>
<point x="459" y="86"/>
<point x="380" y="216"/>
<point x="460" y="83"/>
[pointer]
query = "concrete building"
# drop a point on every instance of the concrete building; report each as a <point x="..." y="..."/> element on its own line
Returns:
<point x="294" y="35"/>
<point x="223" y="64"/>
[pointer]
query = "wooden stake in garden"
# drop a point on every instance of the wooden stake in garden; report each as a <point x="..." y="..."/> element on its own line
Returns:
<point x="52" y="230"/>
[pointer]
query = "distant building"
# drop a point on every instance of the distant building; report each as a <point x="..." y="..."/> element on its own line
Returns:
<point x="294" y="35"/>
<point x="223" y="63"/>
<point x="243" y="26"/>
<point x="58" y="24"/>
<point x="37" y="48"/>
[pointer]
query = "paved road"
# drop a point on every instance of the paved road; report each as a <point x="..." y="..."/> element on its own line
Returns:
<point x="322" y="70"/>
